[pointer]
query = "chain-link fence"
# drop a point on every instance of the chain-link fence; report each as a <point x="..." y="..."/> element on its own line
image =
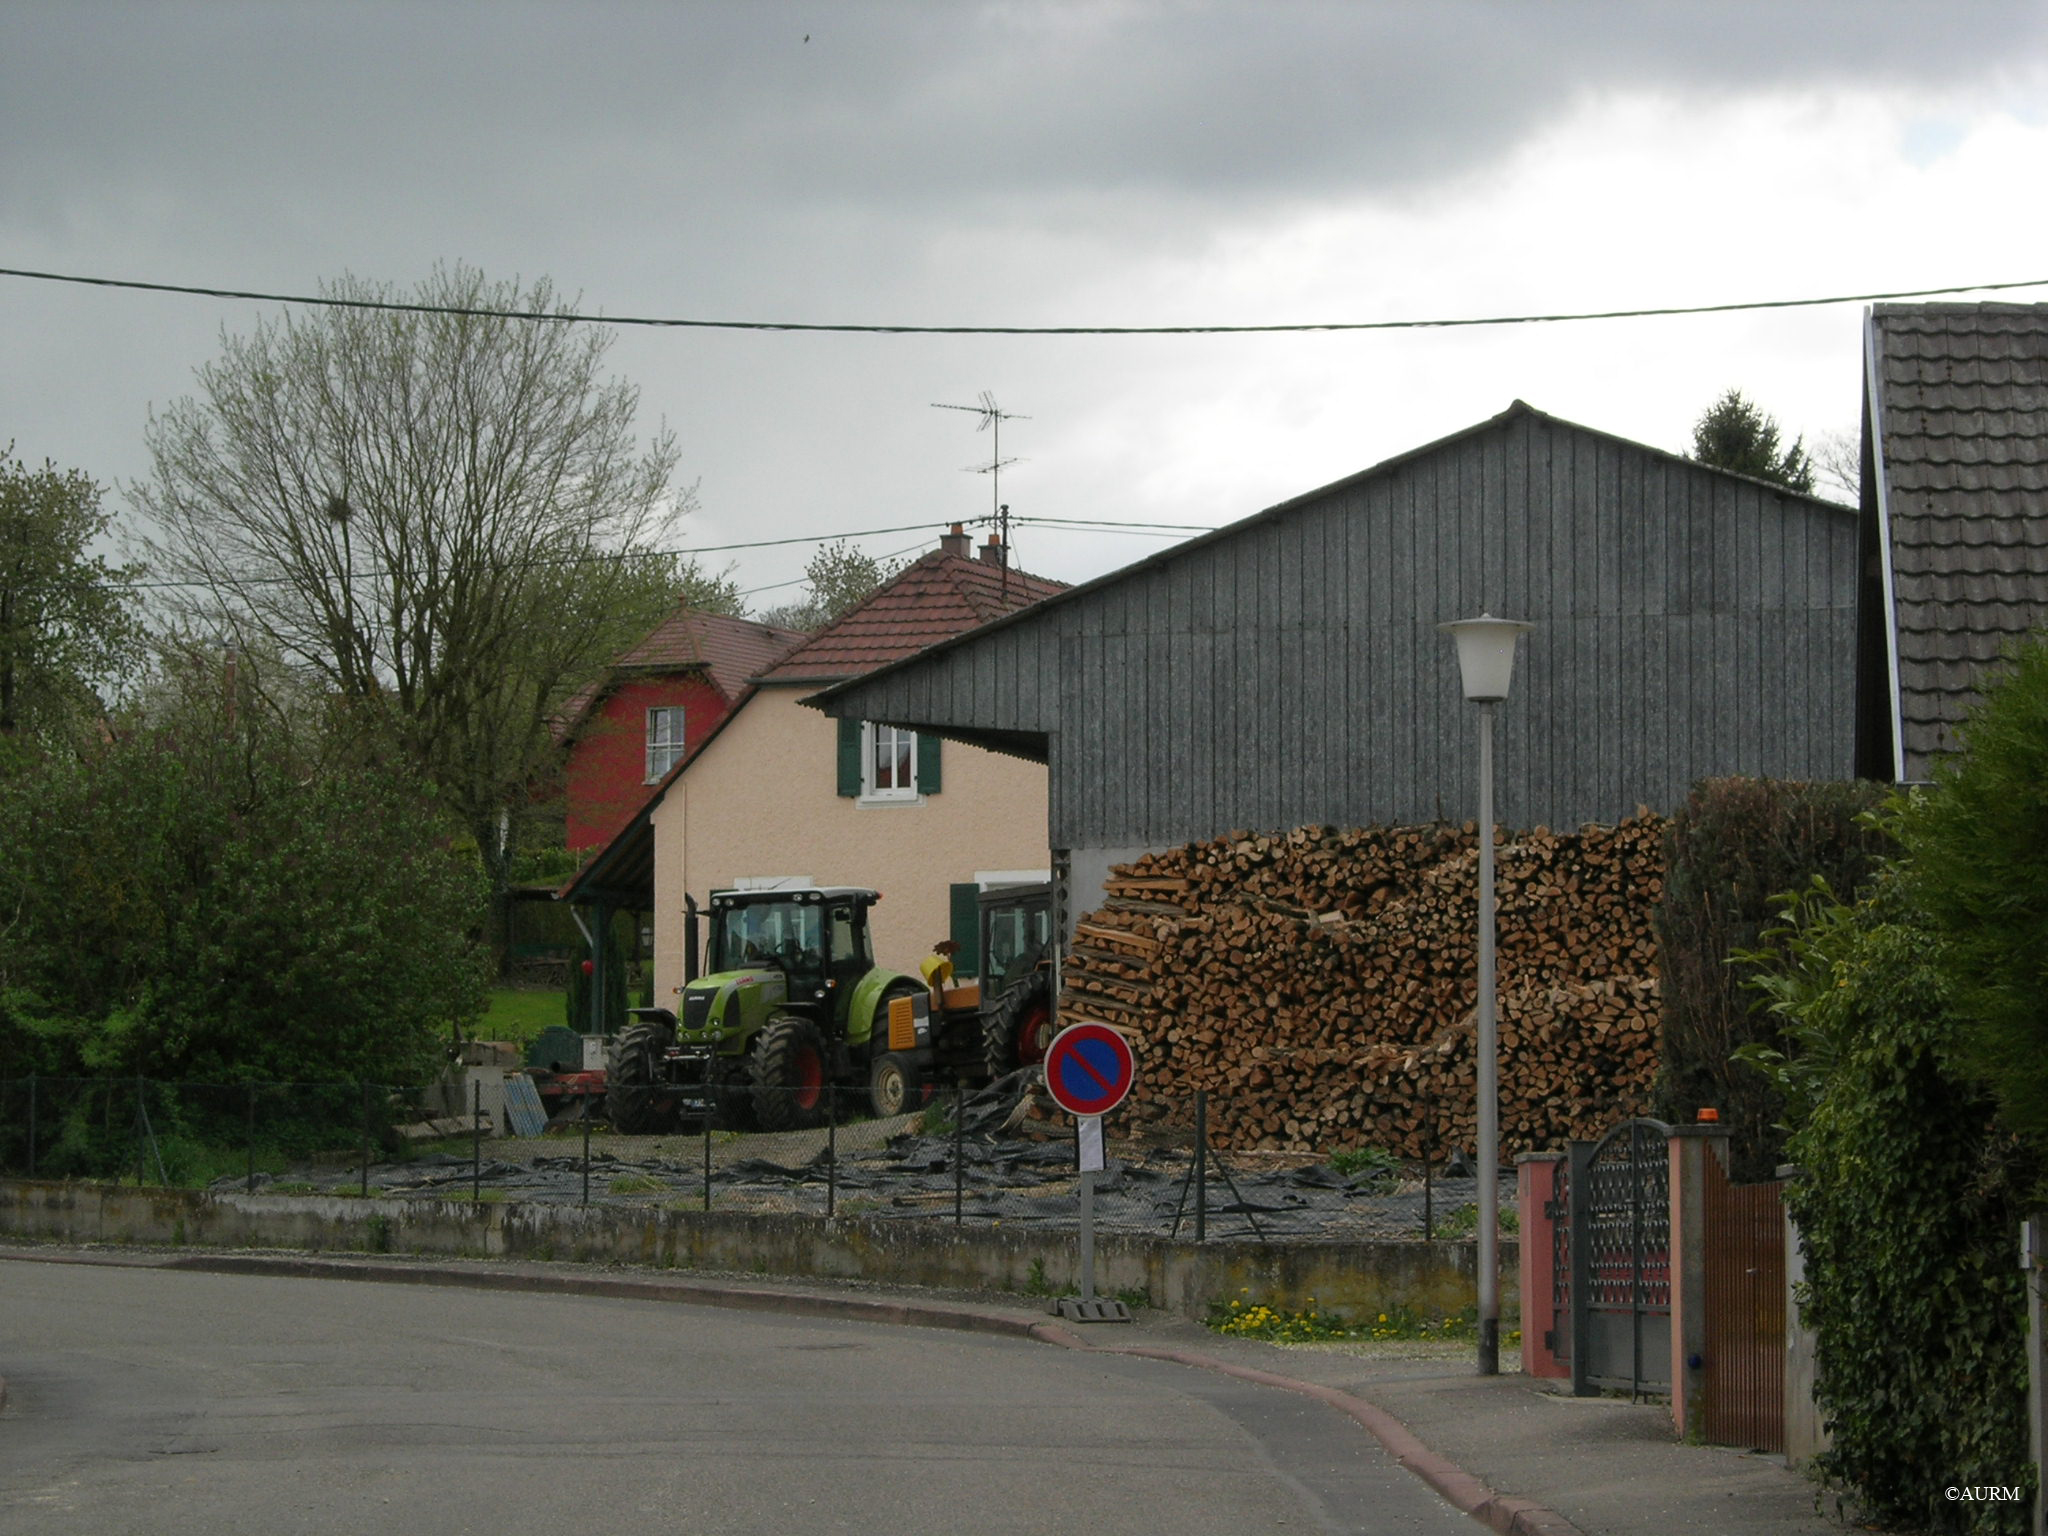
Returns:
<point x="968" y="1157"/>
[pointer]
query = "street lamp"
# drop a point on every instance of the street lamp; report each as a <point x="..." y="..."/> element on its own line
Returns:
<point x="1486" y="662"/>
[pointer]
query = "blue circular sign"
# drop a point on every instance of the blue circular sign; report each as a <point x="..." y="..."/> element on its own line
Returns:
<point x="1088" y="1069"/>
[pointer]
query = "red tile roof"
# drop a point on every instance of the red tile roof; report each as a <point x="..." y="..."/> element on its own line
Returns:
<point x="934" y="598"/>
<point x="727" y="651"/>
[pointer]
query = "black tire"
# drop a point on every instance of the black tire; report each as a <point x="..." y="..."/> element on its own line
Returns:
<point x="895" y="1085"/>
<point x="790" y="1080"/>
<point x="635" y="1097"/>
<point x="1019" y="1029"/>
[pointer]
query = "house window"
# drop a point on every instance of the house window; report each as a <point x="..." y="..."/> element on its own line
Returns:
<point x="664" y="740"/>
<point x="891" y="764"/>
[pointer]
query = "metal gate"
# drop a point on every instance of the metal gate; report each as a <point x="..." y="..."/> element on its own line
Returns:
<point x="1617" y="1260"/>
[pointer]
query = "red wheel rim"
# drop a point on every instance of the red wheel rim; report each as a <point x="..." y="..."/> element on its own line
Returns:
<point x="1031" y="1036"/>
<point x="810" y="1079"/>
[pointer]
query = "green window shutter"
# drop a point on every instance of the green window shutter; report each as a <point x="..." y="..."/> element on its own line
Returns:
<point x="849" y="758"/>
<point x="966" y="928"/>
<point x="927" y="764"/>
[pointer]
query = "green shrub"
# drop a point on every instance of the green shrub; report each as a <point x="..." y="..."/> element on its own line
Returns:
<point x="1733" y="846"/>
<point x="1977" y="860"/>
<point x="1908" y="1207"/>
<point x="208" y="909"/>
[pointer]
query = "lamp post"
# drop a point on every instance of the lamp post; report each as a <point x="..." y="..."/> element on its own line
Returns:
<point x="1486" y="663"/>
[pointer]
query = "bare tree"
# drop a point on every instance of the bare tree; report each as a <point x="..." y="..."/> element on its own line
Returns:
<point x="441" y="514"/>
<point x="1838" y="464"/>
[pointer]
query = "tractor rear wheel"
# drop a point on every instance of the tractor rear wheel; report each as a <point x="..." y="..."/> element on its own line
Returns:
<point x="1019" y="1029"/>
<point x="895" y="1086"/>
<point x="789" y="1074"/>
<point x="634" y="1099"/>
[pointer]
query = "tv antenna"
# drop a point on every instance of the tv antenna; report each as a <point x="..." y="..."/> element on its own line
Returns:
<point x="992" y="418"/>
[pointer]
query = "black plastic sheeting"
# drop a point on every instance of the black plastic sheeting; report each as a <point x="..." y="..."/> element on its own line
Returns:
<point x="1013" y="1180"/>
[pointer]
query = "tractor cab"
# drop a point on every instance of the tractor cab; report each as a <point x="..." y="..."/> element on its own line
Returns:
<point x="816" y="938"/>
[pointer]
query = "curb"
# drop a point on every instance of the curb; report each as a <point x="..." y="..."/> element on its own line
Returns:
<point x="1464" y="1492"/>
<point x="1503" y="1513"/>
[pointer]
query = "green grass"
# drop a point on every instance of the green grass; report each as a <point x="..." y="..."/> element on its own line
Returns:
<point x="519" y="1014"/>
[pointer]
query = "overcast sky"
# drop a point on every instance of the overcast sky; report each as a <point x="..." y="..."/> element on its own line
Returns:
<point x="1016" y="164"/>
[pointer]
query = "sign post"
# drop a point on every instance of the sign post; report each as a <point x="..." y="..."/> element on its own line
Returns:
<point x="1088" y="1070"/>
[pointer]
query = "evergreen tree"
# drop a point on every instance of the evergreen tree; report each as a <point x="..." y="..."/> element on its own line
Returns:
<point x="1734" y="435"/>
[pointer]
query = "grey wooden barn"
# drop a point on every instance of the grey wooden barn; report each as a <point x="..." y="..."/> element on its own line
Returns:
<point x="1288" y="670"/>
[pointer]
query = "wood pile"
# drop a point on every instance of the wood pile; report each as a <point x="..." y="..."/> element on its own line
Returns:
<point x="1320" y="984"/>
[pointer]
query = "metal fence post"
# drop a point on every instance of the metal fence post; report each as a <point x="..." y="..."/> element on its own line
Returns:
<point x="1428" y="1175"/>
<point x="959" y="1162"/>
<point x="831" y="1151"/>
<point x="714" y="1103"/>
<point x="1201" y="1165"/>
<point x="476" y="1140"/>
<point x="31" y="1125"/>
<point x="141" y="1152"/>
<point x="249" y="1137"/>
<point x="366" y="1140"/>
<point x="586" y="1157"/>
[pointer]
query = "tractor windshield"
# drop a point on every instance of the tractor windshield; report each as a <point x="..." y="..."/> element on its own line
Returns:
<point x="782" y="933"/>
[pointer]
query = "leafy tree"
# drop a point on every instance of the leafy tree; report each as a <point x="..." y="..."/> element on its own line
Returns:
<point x="203" y="905"/>
<point x="839" y="578"/>
<point x="439" y="514"/>
<point x="1733" y="434"/>
<point x="67" y="618"/>
<point x="699" y="590"/>
<point x="1977" y="845"/>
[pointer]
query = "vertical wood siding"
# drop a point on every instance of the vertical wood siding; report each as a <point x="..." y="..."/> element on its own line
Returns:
<point x="1690" y="624"/>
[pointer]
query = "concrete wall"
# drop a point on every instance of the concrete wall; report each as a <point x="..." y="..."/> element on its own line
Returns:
<point x="762" y="799"/>
<point x="1356" y="1279"/>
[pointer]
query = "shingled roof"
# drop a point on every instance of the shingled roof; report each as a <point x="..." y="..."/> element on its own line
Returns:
<point x="934" y="598"/>
<point x="1957" y="426"/>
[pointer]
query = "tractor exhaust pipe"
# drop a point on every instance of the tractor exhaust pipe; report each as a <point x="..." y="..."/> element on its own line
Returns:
<point x="692" y="946"/>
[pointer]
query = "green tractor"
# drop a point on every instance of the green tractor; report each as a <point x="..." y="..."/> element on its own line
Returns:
<point x="790" y="1002"/>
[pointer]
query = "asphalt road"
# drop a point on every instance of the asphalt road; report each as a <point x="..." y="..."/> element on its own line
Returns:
<point x="169" y="1403"/>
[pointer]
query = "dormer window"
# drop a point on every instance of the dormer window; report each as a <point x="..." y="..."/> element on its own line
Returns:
<point x="664" y="741"/>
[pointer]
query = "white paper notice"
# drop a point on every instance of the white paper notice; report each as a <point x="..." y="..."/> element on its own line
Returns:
<point x="1088" y="1131"/>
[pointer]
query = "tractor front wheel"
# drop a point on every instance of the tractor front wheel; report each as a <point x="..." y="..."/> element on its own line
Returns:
<point x="1019" y="1029"/>
<point x="789" y="1074"/>
<point x="634" y="1100"/>
<point x="895" y="1086"/>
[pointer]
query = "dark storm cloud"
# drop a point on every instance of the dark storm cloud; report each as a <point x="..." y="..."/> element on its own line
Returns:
<point x="709" y="111"/>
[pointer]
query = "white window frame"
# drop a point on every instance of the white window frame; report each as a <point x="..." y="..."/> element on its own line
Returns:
<point x="664" y="749"/>
<point x="871" y="791"/>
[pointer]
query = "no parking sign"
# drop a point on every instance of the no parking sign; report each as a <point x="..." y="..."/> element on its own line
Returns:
<point x="1088" y="1069"/>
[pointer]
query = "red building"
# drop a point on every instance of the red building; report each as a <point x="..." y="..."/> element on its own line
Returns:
<point x="659" y="700"/>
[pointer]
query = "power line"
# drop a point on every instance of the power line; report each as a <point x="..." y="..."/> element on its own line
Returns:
<point x="1290" y="328"/>
<point x="588" y="557"/>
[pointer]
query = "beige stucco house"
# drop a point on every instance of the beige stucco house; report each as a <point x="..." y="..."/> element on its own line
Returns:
<point x="781" y="792"/>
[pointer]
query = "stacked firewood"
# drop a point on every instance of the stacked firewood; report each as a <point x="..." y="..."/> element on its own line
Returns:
<point x="1320" y="983"/>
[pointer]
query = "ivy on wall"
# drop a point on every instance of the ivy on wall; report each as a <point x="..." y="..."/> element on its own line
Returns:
<point x="1908" y="1204"/>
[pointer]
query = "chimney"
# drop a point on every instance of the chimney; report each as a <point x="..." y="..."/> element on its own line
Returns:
<point x="993" y="553"/>
<point x="955" y="541"/>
